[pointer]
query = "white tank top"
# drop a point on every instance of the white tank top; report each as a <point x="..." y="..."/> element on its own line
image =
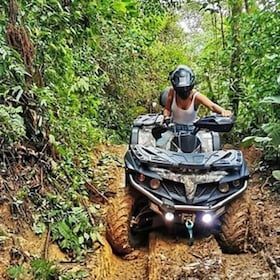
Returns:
<point x="182" y="116"/>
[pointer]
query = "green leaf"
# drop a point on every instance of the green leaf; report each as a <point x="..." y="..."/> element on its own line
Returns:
<point x="96" y="237"/>
<point x="248" y="141"/>
<point x="86" y="236"/>
<point x="119" y="6"/>
<point x="262" y="139"/>
<point x="16" y="272"/>
<point x="273" y="132"/>
<point x="77" y="228"/>
<point x="19" y="91"/>
<point x="276" y="174"/>
<point x="271" y="99"/>
<point x="39" y="227"/>
<point x="52" y="139"/>
<point x="81" y="240"/>
<point x="64" y="230"/>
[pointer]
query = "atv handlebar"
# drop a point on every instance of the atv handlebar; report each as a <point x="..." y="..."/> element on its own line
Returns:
<point x="216" y="123"/>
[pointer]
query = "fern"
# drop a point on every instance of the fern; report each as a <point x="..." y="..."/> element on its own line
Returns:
<point x="273" y="132"/>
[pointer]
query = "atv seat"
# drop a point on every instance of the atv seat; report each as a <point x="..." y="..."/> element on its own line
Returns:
<point x="186" y="142"/>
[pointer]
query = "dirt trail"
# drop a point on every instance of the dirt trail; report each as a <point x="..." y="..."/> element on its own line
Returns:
<point x="175" y="259"/>
<point x="169" y="258"/>
<point x="247" y="266"/>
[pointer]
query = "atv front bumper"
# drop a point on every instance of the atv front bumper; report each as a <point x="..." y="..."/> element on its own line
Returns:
<point x="167" y="204"/>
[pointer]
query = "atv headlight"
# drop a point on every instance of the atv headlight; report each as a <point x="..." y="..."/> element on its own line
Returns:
<point x="169" y="216"/>
<point x="224" y="187"/>
<point x="155" y="184"/>
<point x="236" y="183"/>
<point x="141" y="177"/>
<point x="207" y="218"/>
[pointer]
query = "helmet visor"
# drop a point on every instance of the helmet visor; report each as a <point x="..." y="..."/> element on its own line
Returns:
<point x="184" y="79"/>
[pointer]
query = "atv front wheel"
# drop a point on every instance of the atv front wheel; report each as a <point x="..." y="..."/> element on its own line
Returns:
<point x="118" y="228"/>
<point x="234" y="228"/>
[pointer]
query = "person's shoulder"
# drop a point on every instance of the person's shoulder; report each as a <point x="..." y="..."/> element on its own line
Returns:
<point x="198" y="97"/>
<point x="198" y="94"/>
<point x="171" y="92"/>
<point x="195" y="93"/>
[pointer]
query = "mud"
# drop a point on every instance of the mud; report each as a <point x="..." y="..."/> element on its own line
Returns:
<point x="165" y="257"/>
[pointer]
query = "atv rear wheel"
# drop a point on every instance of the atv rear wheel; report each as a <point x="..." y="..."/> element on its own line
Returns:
<point x="234" y="228"/>
<point x="118" y="224"/>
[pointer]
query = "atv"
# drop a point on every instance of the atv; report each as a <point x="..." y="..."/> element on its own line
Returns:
<point x="180" y="179"/>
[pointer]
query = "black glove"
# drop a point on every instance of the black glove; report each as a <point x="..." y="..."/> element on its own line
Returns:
<point x="167" y="121"/>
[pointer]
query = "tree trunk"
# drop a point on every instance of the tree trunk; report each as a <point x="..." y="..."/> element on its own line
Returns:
<point x="251" y="6"/>
<point x="222" y="27"/>
<point x="235" y="77"/>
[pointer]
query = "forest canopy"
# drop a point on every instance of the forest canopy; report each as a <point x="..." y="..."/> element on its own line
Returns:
<point x="93" y="66"/>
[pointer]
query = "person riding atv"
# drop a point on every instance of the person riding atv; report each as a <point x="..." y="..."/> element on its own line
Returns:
<point x="183" y="100"/>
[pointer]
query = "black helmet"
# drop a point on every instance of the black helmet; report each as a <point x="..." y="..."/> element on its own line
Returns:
<point x="182" y="77"/>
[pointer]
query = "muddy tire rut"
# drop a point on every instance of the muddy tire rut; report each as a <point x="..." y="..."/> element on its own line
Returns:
<point x="168" y="258"/>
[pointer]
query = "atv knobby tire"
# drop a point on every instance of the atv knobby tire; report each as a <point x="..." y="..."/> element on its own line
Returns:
<point x="118" y="218"/>
<point x="234" y="228"/>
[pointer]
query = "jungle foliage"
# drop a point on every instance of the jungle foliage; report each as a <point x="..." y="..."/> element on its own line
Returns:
<point x="75" y="73"/>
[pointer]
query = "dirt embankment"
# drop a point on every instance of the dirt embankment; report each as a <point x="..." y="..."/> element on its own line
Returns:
<point x="166" y="257"/>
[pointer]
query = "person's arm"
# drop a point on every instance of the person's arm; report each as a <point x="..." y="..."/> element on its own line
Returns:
<point x="167" y="109"/>
<point x="202" y="99"/>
